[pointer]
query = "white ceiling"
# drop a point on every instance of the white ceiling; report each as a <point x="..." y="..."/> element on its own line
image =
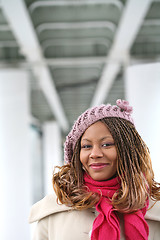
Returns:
<point x="76" y="50"/>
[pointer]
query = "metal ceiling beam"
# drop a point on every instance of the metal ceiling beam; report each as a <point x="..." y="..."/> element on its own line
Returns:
<point x="75" y="42"/>
<point x="149" y="39"/>
<point x="4" y="27"/>
<point x="76" y="25"/>
<point x="63" y="3"/>
<point x="8" y="43"/>
<point x="81" y="61"/>
<point x="129" y="26"/>
<point x="151" y="22"/>
<point x="57" y="62"/>
<point x="95" y="62"/>
<point x="21" y="25"/>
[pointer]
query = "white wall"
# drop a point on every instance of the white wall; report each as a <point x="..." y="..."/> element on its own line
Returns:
<point x="52" y="152"/>
<point x="15" y="185"/>
<point x="143" y="92"/>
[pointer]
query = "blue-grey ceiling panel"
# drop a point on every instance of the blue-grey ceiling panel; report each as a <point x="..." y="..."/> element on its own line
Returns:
<point x="147" y="42"/>
<point x="75" y="11"/>
<point x="9" y="49"/>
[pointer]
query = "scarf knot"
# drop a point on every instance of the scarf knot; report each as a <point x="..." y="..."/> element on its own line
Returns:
<point x="107" y="224"/>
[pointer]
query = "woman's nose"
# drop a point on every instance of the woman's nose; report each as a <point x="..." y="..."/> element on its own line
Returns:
<point x="96" y="152"/>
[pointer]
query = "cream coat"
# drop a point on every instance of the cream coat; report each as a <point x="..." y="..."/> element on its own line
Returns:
<point x="59" y="222"/>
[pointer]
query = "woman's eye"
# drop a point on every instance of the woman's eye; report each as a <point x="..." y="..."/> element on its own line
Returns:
<point x="86" y="146"/>
<point x="107" y="144"/>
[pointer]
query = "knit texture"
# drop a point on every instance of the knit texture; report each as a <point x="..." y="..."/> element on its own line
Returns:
<point x="107" y="225"/>
<point x="90" y="116"/>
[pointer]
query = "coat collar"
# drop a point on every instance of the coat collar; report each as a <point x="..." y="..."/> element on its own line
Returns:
<point x="48" y="205"/>
<point x="45" y="207"/>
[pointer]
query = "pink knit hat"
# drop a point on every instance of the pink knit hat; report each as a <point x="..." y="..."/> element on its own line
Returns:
<point x="90" y="116"/>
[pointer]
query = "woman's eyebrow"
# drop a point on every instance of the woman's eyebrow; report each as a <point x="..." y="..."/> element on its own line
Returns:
<point x="106" y="137"/>
<point x="85" y="139"/>
<point x="101" y="139"/>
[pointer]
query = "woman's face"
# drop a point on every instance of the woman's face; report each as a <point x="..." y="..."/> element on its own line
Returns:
<point x="98" y="154"/>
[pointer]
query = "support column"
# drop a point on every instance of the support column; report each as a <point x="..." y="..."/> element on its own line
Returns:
<point x="143" y="93"/>
<point x="37" y="163"/>
<point x="52" y="152"/>
<point x="15" y="200"/>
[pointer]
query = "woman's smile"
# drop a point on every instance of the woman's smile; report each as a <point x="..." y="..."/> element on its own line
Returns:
<point x="98" y="166"/>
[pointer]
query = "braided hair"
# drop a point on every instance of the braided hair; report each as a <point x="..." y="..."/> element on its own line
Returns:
<point x="134" y="168"/>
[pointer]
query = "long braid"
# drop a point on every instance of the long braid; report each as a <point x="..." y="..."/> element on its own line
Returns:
<point x="131" y="158"/>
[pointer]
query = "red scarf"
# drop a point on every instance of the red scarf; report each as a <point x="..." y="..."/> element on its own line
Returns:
<point x="107" y="224"/>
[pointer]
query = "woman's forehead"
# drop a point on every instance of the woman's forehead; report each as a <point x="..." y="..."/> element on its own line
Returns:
<point x="97" y="130"/>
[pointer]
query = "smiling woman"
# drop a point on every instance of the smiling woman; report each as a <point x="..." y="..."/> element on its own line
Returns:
<point x="108" y="176"/>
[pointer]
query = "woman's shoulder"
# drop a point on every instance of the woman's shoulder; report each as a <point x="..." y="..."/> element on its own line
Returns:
<point x="153" y="212"/>
<point x="45" y="207"/>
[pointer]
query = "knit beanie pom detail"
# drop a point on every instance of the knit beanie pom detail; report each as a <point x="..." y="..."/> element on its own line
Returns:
<point x="124" y="106"/>
<point x="90" y="116"/>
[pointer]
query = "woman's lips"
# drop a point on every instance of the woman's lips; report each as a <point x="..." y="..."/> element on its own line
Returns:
<point x="98" y="165"/>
